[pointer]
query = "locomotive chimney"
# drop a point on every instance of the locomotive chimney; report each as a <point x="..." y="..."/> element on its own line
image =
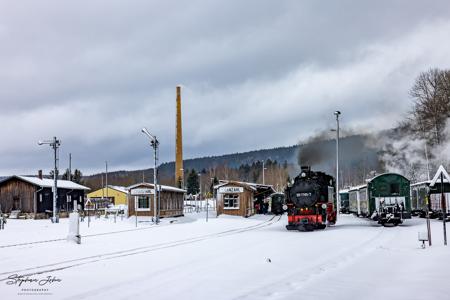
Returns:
<point x="40" y="174"/>
<point x="305" y="168"/>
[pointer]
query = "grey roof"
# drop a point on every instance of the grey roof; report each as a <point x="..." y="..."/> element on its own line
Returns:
<point x="63" y="184"/>
<point x="164" y="188"/>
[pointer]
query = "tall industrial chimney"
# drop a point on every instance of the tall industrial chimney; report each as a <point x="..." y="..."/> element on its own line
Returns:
<point x="179" y="171"/>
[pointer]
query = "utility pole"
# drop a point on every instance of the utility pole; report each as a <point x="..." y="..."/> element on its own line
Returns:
<point x="70" y="166"/>
<point x="428" y="216"/>
<point x="55" y="143"/>
<point x="338" y="198"/>
<point x="264" y="168"/>
<point x="103" y="188"/>
<point x="106" y="179"/>
<point x="200" y="187"/>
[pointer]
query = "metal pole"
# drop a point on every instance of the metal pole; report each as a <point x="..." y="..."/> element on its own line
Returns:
<point x="263" y="173"/>
<point x="428" y="217"/>
<point x="159" y="187"/>
<point x="55" y="178"/>
<point x="106" y="179"/>
<point x="444" y="209"/>
<point x="70" y="166"/>
<point x="155" y="183"/>
<point x="338" y="198"/>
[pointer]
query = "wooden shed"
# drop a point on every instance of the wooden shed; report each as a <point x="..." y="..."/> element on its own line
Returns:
<point x="34" y="195"/>
<point x="239" y="198"/>
<point x="141" y="197"/>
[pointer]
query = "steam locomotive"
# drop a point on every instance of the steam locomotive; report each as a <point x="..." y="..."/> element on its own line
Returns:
<point x="310" y="201"/>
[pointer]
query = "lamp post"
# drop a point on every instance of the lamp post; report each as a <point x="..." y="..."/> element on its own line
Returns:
<point x="55" y="143"/>
<point x="200" y="189"/>
<point x="106" y="180"/>
<point x="154" y="143"/>
<point x="264" y="168"/>
<point x="338" y="198"/>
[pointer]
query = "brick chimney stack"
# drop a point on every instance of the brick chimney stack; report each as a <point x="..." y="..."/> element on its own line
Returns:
<point x="40" y="174"/>
<point x="179" y="171"/>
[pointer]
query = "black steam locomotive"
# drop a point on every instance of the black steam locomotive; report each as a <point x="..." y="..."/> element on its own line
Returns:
<point x="311" y="201"/>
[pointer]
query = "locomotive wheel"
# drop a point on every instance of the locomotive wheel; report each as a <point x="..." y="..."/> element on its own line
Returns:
<point x="306" y="227"/>
<point x="321" y="226"/>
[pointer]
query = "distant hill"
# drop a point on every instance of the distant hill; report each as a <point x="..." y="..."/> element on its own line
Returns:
<point x="358" y="158"/>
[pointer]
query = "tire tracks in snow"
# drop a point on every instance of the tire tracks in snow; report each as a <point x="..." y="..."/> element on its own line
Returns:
<point x="62" y="265"/>
<point x="294" y="282"/>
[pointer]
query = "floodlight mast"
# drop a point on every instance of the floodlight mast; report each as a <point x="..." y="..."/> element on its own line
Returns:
<point x="55" y="143"/>
<point x="154" y="143"/>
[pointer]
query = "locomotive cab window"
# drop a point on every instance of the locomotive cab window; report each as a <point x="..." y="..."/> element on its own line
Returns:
<point x="231" y="201"/>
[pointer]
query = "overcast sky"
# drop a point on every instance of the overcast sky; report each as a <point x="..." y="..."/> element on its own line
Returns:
<point x="255" y="74"/>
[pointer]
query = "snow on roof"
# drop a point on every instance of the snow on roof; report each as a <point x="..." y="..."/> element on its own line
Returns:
<point x="344" y="191"/>
<point x="250" y="185"/>
<point x="353" y="188"/>
<point x="163" y="187"/>
<point x="118" y="188"/>
<point x="427" y="182"/>
<point x="44" y="182"/>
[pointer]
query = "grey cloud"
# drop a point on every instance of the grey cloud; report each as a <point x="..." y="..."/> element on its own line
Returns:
<point x="256" y="73"/>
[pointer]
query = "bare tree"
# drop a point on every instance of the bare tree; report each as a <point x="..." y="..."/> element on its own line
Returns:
<point x="431" y="93"/>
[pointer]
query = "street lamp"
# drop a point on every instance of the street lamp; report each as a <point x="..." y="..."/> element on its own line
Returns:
<point x="200" y="189"/>
<point x="154" y="143"/>
<point x="263" y="169"/>
<point x="338" y="198"/>
<point x="55" y="143"/>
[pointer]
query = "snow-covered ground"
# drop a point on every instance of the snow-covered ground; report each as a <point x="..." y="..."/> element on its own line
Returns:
<point x="226" y="258"/>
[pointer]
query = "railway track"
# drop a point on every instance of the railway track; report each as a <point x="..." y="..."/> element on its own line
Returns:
<point x="62" y="265"/>
<point x="84" y="236"/>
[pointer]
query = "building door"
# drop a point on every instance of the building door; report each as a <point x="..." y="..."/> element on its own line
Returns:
<point x="16" y="203"/>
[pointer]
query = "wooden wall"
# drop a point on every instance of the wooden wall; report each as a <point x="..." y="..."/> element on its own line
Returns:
<point x="245" y="204"/>
<point x="23" y="196"/>
<point x="172" y="205"/>
<point x="17" y="195"/>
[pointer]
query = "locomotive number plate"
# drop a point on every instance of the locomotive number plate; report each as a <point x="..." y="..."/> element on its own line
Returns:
<point x="304" y="195"/>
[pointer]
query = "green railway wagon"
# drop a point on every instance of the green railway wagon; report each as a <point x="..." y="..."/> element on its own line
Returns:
<point x="389" y="198"/>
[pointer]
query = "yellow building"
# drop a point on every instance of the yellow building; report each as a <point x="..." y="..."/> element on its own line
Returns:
<point x="116" y="194"/>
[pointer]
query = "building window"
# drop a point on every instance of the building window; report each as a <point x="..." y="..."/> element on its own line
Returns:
<point x="143" y="203"/>
<point x="231" y="201"/>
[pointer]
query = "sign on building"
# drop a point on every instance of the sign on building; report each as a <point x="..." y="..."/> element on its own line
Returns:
<point x="142" y="192"/>
<point x="231" y="189"/>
